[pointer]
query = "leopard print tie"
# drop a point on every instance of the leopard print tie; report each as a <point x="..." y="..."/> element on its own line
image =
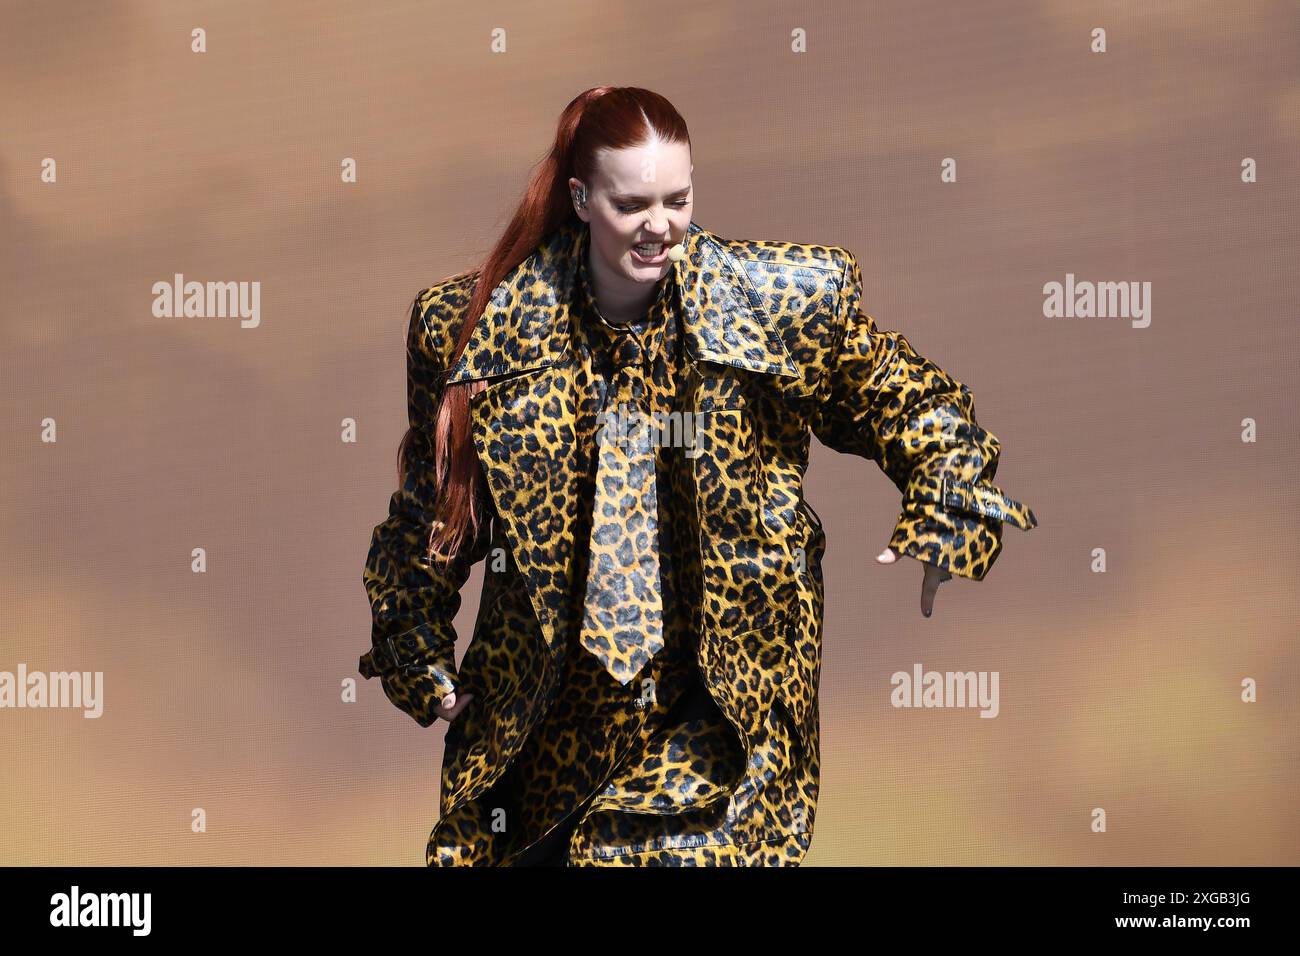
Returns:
<point x="623" y="611"/>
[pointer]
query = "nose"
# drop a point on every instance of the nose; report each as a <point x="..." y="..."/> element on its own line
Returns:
<point x="657" y="225"/>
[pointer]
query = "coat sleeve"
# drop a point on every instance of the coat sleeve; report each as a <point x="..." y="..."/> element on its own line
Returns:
<point x="412" y="600"/>
<point x="881" y="400"/>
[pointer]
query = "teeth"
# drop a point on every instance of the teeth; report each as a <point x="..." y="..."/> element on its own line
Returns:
<point x="650" y="250"/>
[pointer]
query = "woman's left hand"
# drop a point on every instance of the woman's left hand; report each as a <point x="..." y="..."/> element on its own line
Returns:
<point x="934" y="576"/>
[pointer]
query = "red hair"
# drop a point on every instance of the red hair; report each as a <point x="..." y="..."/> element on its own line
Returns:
<point x="603" y="117"/>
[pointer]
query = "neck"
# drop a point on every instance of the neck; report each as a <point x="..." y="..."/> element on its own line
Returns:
<point x="620" y="301"/>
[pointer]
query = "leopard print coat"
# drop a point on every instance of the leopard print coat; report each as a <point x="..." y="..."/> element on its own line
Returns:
<point x="780" y="351"/>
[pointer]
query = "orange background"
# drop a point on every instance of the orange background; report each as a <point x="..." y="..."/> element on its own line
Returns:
<point x="223" y="690"/>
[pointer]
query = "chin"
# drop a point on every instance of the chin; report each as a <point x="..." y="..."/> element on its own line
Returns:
<point x="645" y="273"/>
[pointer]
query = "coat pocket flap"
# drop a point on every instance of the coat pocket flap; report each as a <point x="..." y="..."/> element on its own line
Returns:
<point x="719" y="393"/>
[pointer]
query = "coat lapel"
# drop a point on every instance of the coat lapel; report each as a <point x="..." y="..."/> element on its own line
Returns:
<point x="523" y="423"/>
<point x="525" y="326"/>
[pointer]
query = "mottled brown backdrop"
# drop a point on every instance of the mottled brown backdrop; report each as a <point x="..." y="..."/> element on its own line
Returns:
<point x="1119" y="690"/>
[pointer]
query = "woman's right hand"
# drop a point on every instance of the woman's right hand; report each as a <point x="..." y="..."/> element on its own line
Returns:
<point x="452" y="705"/>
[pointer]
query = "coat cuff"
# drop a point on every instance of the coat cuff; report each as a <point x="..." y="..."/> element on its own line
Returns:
<point x="957" y="525"/>
<point x="416" y="670"/>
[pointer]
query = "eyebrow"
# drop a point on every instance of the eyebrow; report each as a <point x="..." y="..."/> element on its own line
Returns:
<point x="624" y="197"/>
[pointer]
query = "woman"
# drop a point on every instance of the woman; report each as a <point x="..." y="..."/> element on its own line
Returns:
<point x="615" y="412"/>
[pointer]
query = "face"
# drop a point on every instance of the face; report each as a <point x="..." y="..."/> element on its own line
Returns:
<point x="638" y="205"/>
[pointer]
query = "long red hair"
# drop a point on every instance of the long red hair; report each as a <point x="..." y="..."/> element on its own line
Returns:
<point x="603" y="117"/>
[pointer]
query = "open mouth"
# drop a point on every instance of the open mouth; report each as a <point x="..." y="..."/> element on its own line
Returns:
<point x="650" y="252"/>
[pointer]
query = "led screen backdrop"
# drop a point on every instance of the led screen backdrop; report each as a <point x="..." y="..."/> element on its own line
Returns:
<point x="188" y="500"/>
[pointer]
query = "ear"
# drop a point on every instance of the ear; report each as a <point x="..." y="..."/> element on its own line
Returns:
<point x="575" y="184"/>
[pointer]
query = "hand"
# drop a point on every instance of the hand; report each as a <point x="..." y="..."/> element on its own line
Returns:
<point x="934" y="576"/>
<point x="452" y="705"/>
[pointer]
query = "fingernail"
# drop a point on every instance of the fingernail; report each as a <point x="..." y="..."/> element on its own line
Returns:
<point x="926" y="613"/>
